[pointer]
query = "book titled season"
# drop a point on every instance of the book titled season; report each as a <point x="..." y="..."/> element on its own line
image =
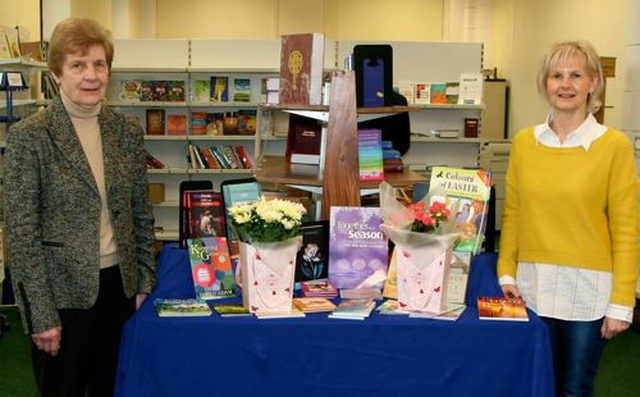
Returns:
<point x="358" y="250"/>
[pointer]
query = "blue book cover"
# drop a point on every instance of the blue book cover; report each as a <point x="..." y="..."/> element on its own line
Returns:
<point x="358" y="250"/>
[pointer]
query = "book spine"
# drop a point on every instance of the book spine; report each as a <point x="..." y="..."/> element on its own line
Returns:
<point x="244" y="157"/>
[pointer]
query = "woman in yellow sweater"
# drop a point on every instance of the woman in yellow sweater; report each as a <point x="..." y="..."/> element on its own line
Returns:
<point x="569" y="237"/>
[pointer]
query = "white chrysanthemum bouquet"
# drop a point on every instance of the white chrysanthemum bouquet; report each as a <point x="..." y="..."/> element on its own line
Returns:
<point x="267" y="221"/>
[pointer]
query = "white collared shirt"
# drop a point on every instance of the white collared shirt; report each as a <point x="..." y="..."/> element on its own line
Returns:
<point x="564" y="292"/>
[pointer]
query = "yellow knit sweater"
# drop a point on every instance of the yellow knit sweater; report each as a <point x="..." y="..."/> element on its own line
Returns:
<point x="571" y="207"/>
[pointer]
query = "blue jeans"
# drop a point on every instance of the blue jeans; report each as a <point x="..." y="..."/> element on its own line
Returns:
<point x="577" y="347"/>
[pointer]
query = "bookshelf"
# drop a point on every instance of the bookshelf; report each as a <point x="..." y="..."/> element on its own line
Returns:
<point x="338" y="183"/>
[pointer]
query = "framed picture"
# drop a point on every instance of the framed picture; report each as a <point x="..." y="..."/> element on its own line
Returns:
<point x="312" y="260"/>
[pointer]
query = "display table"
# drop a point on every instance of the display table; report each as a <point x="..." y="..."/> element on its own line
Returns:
<point x="318" y="356"/>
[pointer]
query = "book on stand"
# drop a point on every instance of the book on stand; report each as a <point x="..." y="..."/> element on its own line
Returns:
<point x="301" y="63"/>
<point x="204" y="214"/>
<point x="211" y="267"/>
<point x="181" y="308"/>
<point x="219" y="89"/>
<point x="502" y="308"/>
<point x="358" y="250"/>
<point x="467" y="190"/>
<point x="155" y="121"/>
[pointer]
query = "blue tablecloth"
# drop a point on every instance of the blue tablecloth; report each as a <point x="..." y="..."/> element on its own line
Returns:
<point x="318" y="356"/>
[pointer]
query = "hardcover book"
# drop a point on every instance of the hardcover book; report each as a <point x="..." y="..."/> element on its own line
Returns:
<point x="211" y="269"/>
<point x="181" y="308"/>
<point x="303" y="138"/>
<point x="467" y="190"/>
<point x="155" y="121"/>
<point x="358" y="250"/>
<point x="502" y="308"/>
<point x="301" y="63"/>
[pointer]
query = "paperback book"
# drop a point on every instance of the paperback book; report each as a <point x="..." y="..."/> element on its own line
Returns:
<point x="181" y="308"/>
<point x="318" y="288"/>
<point x="204" y="214"/>
<point x="354" y="309"/>
<point x="467" y="190"/>
<point x="314" y="304"/>
<point x="358" y="250"/>
<point x="502" y="308"/>
<point x="211" y="268"/>
<point x="232" y="310"/>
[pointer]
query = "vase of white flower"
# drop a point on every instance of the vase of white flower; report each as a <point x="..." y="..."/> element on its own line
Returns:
<point x="268" y="231"/>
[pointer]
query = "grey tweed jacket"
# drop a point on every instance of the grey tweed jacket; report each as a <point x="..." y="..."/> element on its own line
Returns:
<point x="52" y="213"/>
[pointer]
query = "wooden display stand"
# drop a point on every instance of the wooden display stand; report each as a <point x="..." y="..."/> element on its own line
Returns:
<point x="340" y="182"/>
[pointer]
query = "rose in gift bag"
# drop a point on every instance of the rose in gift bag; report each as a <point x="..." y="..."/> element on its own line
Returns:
<point x="424" y="235"/>
<point x="268" y="230"/>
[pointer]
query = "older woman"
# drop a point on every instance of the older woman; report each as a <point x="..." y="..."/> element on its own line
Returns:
<point x="569" y="239"/>
<point x="79" y="226"/>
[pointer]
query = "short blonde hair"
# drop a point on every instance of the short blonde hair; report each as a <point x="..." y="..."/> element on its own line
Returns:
<point x="566" y="49"/>
<point x="77" y="34"/>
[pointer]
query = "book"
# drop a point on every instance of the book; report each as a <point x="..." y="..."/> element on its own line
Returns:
<point x="449" y="313"/>
<point x="301" y="63"/>
<point x="198" y="123"/>
<point x="155" y="121"/>
<point x="247" y="163"/>
<point x="471" y="87"/>
<point x="370" y="155"/>
<point x="204" y="214"/>
<point x="211" y="268"/>
<point x="390" y="307"/>
<point x="422" y="93"/>
<point x="312" y="258"/>
<point x="181" y="308"/>
<point x="160" y="90"/>
<point x="219" y="89"/>
<point x="202" y="91"/>
<point x="502" y="308"/>
<point x="357" y="293"/>
<point x="468" y="191"/>
<point x="314" y="304"/>
<point x="354" y="309"/>
<point x="241" y="89"/>
<point x="452" y="92"/>
<point x="175" y="90"/>
<point x="130" y="90"/>
<point x="153" y="162"/>
<point x="318" y="288"/>
<point x="358" y="250"/>
<point x="293" y="313"/>
<point x="231" y="310"/>
<point x="438" y="93"/>
<point x="247" y="121"/>
<point x="176" y="124"/>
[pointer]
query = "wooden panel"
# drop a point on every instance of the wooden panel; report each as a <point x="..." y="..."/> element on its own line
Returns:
<point x="341" y="184"/>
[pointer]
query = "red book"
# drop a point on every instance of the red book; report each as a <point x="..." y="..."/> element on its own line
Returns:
<point x="244" y="157"/>
<point x="301" y="63"/>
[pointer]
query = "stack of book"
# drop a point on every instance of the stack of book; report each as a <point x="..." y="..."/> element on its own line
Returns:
<point x="370" y="156"/>
<point x="391" y="158"/>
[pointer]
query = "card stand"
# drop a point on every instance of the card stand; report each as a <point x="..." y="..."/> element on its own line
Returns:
<point x="373" y="65"/>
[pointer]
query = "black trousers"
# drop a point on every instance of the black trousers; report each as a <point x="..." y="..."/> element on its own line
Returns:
<point x="88" y="357"/>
